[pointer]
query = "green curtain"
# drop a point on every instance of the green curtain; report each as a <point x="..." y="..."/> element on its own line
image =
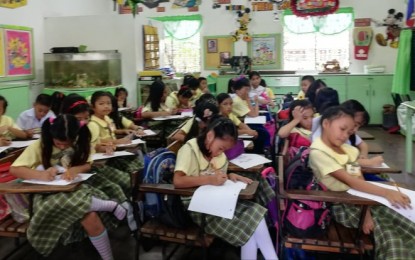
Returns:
<point x="402" y="76"/>
<point x="181" y="27"/>
<point x="326" y="24"/>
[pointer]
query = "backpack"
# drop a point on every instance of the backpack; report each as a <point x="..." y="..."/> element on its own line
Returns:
<point x="273" y="210"/>
<point x="168" y="209"/>
<point x="304" y="218"/>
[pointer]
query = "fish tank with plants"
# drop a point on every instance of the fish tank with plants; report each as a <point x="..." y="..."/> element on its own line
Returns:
<point x="93" y="69"/>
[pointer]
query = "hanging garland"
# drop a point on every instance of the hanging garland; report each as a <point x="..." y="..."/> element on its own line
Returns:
<point x="314" y="8"/>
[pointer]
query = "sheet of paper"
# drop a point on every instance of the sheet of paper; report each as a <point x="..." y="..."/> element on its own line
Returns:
<point x="188" y="113"/>
<point x="123" y="108"/>
<point x="57" y="167"/>
<point x="149" y="132"/>
<point x="17" y="144"/>
<point x="61" y="182"/>
<point x="217" y="200"/>
<point x="383" y="166"/>
<point x="102" y="156"/>
<point x="133" y="143"/>
<point x="162" y="118"/>
<point x="245" y="136"/>
<point x="247" y="143"/>
<point x="248" y="160"/>
<point x="20" y="144"/>
<point x="407" y="213"/>
<point x="255" y="120"/>
<point x="36" y="136"/>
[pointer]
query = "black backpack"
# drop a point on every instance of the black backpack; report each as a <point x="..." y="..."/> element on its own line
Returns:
<point x="304" y="218"/>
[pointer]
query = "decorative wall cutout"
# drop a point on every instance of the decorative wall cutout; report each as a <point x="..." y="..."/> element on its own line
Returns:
<point x="18" y="47"/>
<point x="314" y="8"/>
<point x="12" y="3"/>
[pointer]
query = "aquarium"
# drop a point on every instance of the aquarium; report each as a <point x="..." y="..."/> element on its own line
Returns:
<point x="93" y="69"/>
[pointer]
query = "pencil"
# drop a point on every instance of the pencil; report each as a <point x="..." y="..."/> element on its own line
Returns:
<point x="397" y="187"/>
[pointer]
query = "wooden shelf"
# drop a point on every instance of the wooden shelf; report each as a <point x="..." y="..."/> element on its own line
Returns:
<point x="151" y="47"/>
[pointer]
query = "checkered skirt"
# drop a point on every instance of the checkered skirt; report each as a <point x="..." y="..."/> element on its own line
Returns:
<point x="235" y="231"/>
<point x="56" y="217"/>
<point x="394" y="234"/>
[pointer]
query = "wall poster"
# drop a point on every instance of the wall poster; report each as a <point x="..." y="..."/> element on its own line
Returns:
<point x="18" y="52"/>
<point x="265" y="51"/>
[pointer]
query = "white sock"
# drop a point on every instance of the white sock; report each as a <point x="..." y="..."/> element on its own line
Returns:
<point x="108" y="205"/>
<point x="249" y="250"/>
<point x="102" y="245"/>
<point x="264" y="242"/>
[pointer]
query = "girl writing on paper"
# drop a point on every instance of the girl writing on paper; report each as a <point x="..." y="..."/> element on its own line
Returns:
<point x="334" y="164"/>
<point x="71" y="215"/>
<point x="201" y="161"/>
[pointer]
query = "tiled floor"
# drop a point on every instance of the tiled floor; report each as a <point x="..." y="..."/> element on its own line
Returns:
<point x="123" y="243"/>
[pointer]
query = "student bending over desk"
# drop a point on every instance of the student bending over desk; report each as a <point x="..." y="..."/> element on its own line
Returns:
<point x="201" y="161"/>
<point x="122" y="124"/>
<point x="332" y="163"/>
<point x="8" y="129"/>
<point x="57" y="217"/>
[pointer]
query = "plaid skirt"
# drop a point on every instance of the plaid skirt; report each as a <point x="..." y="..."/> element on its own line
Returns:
<point x="394" y="234"/>
<point x="264" y="193"/>
<point x="56" y="218"/>
<point x="113" y="182"/>
<point x="236" y="231"/>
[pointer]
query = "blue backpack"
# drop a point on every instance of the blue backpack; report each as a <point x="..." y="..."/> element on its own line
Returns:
<point x="168" y="209"/>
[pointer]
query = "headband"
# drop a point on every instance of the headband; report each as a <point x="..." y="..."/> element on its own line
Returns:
<point x="80" y="102"/>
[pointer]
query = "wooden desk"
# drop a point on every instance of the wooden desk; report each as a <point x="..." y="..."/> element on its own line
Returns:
<point x="21" y="187"/>
<point x="234" y="168"/>
<point x="391" y="169"/>
<point x="247" y="193"/>
<point x="374" y="148"/>
<point x="410" y="107"/>
<point x="365" y="135"/>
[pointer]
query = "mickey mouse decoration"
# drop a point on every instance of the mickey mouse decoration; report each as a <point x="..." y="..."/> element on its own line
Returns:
<point x="243" y="19"/>
<point x="393" y="23"/>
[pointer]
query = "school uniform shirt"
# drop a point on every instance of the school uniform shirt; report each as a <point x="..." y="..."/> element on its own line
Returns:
<point x="172" y="101"/>
<point x="191" y="161"/>
<point x="163" y="107"/>
<point x="126" y="123"/>
<point x="196" y="96"/>
<point x="316" y="131"/>
<point x="234" y="119"/>
<point x="8" y="121"/>
<point x="324" y="160"/>
<point x="239" y="107"/>
<point x="188" y="125"/>
<point x="28" y="120"/>
<point x="101" y="129"/>
<point x="32" y="156"/>
<point x="301" y="95"/>
<point x="302" y="131"/>
<point x="261" y="92"/>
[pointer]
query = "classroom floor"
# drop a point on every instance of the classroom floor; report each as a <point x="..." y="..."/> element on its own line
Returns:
<point x="123" y="244"/>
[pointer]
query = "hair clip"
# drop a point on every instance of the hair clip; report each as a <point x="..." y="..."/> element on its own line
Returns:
<point x="51" y="119"/>
<point x="76" y="104"/>
<point x="207" y="113"/>
<point x="82" y="123"/>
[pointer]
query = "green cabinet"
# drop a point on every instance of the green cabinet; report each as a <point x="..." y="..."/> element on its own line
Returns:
<point x="17" y="96"/>
<point x="337" y="82"/>
<point x="373" y="91"/>
<point x="282" y="85"/>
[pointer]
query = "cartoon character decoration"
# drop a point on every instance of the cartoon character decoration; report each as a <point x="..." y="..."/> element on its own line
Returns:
<point x="393" y="23"/>
<point x="243" y="19"/>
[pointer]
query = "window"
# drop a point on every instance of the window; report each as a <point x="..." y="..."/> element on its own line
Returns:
<point x="309" y="42"/>
<point x="309" y="51"/>
<point x="182" y="55"/>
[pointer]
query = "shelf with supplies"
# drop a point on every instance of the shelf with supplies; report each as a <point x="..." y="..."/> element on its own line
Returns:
<point x="151" y="47"/>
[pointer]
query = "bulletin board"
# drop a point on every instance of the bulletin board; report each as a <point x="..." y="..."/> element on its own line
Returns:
<point x="216" y="49"/>
<point x="16" y="53"/>
<point x="265" y="51"/>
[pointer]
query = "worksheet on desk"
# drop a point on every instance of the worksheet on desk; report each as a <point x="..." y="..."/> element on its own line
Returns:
<point x="255" y="120"/>
<point x="59" y="181"/>
<point x="17" y="144"/>
<point x="217" y="200"/>
<point x="133" y="142"/>
<point x="407" y="213"/>
<point x="248" y="160"/>
<point x="102" y="156"/>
